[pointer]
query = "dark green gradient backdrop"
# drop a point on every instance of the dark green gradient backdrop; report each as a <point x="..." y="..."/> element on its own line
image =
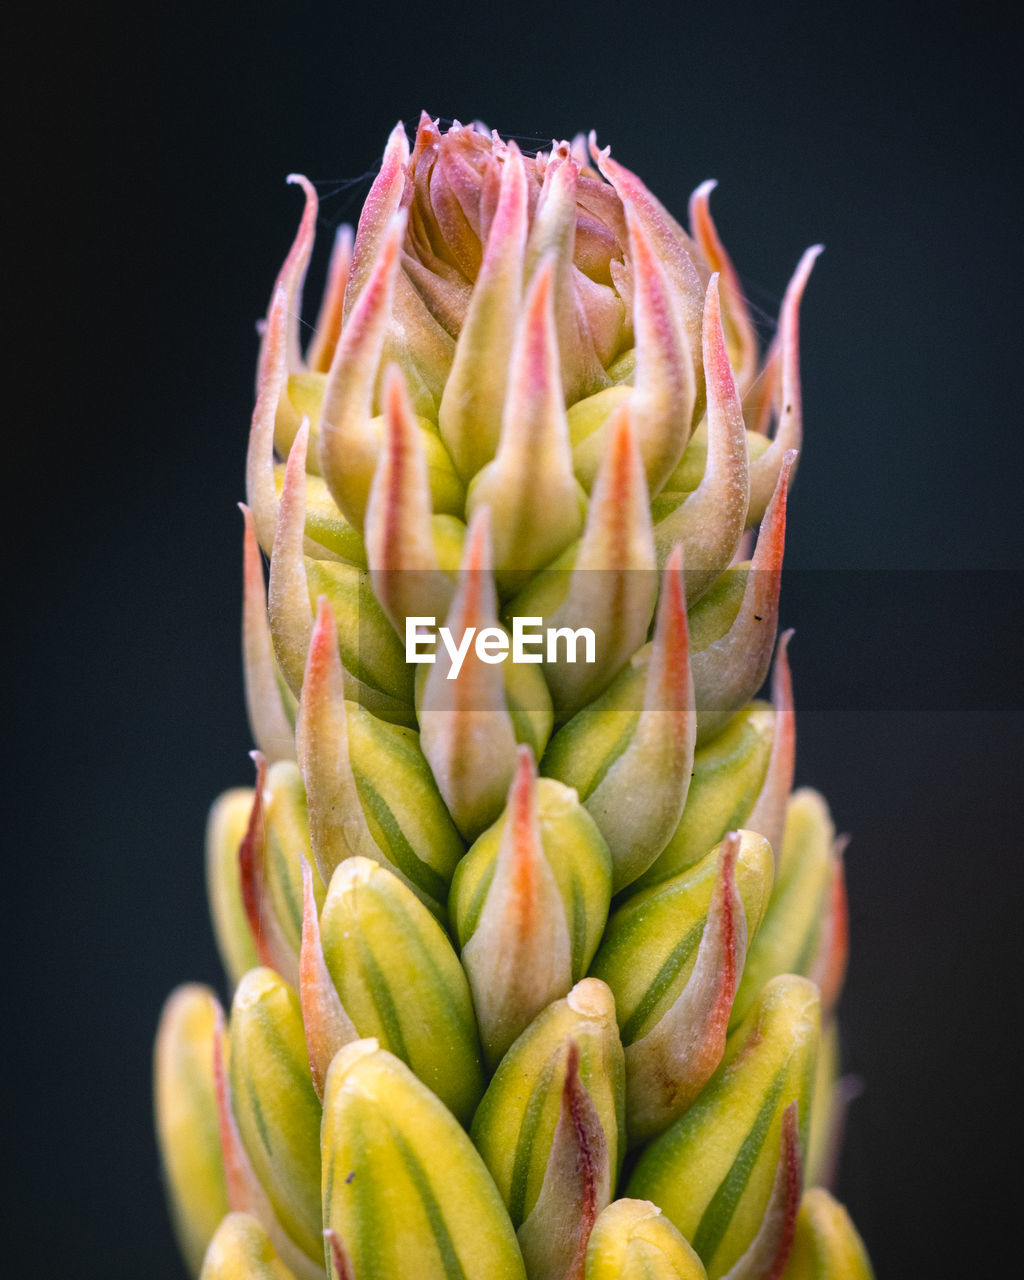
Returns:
<point x="159" y="187"/>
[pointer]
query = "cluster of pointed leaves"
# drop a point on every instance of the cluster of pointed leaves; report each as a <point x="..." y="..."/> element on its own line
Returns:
<point x="534" y="964"/>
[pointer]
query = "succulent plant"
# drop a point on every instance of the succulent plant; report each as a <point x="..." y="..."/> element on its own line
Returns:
<point x="534" y="952"/>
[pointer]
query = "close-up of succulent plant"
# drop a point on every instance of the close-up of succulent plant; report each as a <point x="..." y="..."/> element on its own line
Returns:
<point x="514" y="699"/>
<point x="534" y="963"/>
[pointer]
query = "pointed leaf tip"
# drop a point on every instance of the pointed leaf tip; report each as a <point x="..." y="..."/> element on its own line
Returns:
<point x="348" y="443"/>
<point x="740" y="330"/>
<point x="272" y="378"/>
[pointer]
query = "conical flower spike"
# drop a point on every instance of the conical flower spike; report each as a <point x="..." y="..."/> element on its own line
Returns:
<point x="465" y="728"/>
<point x="730" y="664"/>
<point x="403" y="1187"/>
<point x="633" y="1240"/>
<point x="348" y="443"/>
<point x="400" y="981"/>
<point x="274" y="1103"/>
<point x="630" y="754"/>
<point x="739" y="329"/>
<point x="612" y="587"/>
<point x="474" y="395"/>
<point x="764" y="472"/>
<point x="827" y="1246"/>
<point x="265" y="699"/>
<point x="533" y="467"/>
<point x="225" y="830"/>
<point x="715" y="1172"/>
<point x="673" y="957"/>
<point x="326" y="1023"/>
<point x="242" y="1250"/>
<point x="186" y="1118"/>
<point x="550" y="1127"/>
<point x="710" y="522"/>
<point x="404" y="566"/>
<point x="789" y="936"/>
<point x="529" y="902"/>
<point x="500" y="668"/>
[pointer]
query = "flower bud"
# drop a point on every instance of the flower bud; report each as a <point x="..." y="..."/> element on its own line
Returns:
<point x="673" y="956"/>
<point x="186" y="1118"/>
<point x="404" y="1190"/>
<point x="241" y="1250"/>
<point x="274" y="1102"/>
<point x="826" y="1246"/>
<point x="550" y="1127"/>
<point x="528" y="903"/>
<point x="633" y="1240"/>
<point x="717" y="1171"/>
<point x="400" y="981"/>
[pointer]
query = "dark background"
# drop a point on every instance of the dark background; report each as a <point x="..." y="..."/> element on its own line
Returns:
<point x="157" y="183"/>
